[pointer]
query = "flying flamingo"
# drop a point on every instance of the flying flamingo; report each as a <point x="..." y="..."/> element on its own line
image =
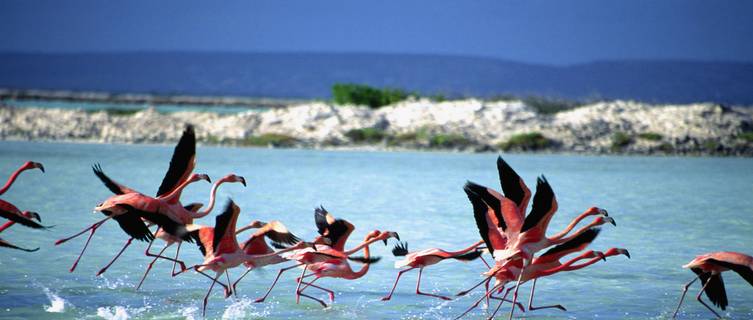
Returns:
<point x="545" y="265"/>
<point x="26" y="166"/>
<point x="25" y="218"/>
<point x="427" y="257"/>
<point x="172" y="239"/>
<point x="181" y="166"/>
<point x="709" y="267"/>
<point x="222" y="252"/>
<point x="340" y="268"/>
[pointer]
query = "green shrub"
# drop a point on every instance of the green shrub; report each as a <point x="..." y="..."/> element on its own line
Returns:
<point x="451" y="140"/>
<point x="350" y="93"/>
<point x="273" y="139"/>
<point x="526" y="142"/>
<point x="620" y="140"/>
<point x="117" y="111"/>
<point x="666" y="147"/>
<point x="746" y="136"/>
<point x="365" y="135"/>
<point x="710" y="145"/>
<point x="549" y="106"/>
<point x="410" y="137"/>
<point x="651" y="136"/>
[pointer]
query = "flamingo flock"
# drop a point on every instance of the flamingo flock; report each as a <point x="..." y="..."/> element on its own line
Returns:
<point x="516" y="238"/>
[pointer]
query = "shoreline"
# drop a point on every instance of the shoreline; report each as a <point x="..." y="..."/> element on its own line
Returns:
<point x="604" y="128"/>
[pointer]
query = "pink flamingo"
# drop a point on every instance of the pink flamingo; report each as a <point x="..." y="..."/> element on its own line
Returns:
<point x="221" y="250"/>
<point x="172" y="239"/>
<point x="25" y="218"/>
<point x="545" y="265"/>
<point x="339" y="268"/>
<point x="26" y="166"/>
<point x="427" y="257"/>
<point x="709" y="267"/>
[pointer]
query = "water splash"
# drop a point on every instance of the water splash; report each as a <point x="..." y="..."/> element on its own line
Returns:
<point x="243" y="309"/>
<point x="114" y="313"/>
<point x="57" y="304"/>
<point x="189" y="312"/>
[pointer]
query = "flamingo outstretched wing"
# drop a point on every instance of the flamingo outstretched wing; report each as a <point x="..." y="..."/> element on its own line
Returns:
<point x="743" y="270"/>
<point x="336" y="231"/>
<point x="715" y="288"/>
<point x="486" y="221"/>
<point x="24" y="221"/>
<point x="224" y="225"/>
<point x="182" y="162"/>
<point x="576" y="244"/>
<point x="7" y="244"/>
<point x="513" y="186"/>
<point x="543" y="208"/>
<point x="506" y="211"/>
<point x="115" y="187"/>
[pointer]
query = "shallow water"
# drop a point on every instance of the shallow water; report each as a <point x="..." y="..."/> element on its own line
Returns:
<point x="667" y="209"/>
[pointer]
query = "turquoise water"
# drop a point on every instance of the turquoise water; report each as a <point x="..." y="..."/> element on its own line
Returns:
<point x="96" y="106"/>
<point x="667" y="211"/>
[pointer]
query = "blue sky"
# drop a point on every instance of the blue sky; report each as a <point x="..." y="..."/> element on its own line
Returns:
<point x="550" y="32"/>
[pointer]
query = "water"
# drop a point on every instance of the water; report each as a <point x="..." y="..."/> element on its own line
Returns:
<point x="667" y="209"/>
<point x="128" y="107"/>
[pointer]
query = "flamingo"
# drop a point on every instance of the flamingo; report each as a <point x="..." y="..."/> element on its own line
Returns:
<point x="222" y="252"/>
<point x="181" y="166"/>
<point x="545" y="265"/>
<point x="172" y="239"/>
<point x="339" y="268"/>
<point x="25" y="218"/>
<point x="26" y="166"/>
<point x="709" y="267"/>
<point x="427" y="257"/>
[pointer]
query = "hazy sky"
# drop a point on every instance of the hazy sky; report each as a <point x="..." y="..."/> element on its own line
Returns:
<point x="552" y="32"/>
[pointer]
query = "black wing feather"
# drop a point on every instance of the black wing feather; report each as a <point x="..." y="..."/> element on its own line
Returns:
<point x="320" y="218"/>
<point x="715" y="289"/>
<point x="743" y="271"/>
<point x="365" y="260"/>
<point x="109" y="183"/>
<point x="584" y="238"/>
<point x="169" y="225"/>
<point x="490" y="200"/>
<point x="542" y="204"/>
<point x="400" y="249"/>
<point x="473" y="255"/>
<point x="7" y="244"/>
<point x="195" y="235"/>
<point x="479" y="213"/>
<point x="183" y="154"/>
<point x="133" y="226"/>
<point x="510" y="181"/>
<point x="24" y="221"/>
<point x="283" y="238"/>
<point x="222" y="223"/>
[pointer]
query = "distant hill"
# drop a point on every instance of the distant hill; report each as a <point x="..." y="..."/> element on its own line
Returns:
<point x="310" y="75"/>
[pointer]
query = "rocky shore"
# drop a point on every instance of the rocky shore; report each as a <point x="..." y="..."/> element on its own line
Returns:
<point x="616" y="127"/>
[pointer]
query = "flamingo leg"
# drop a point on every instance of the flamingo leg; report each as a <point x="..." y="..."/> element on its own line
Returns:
<point x="486" y="280"/>
<point x="298" y="287"/>
<point x="149" y="267"/>
<point x="484" y="261"/>
<point x="93" y="229"/>
<point x="530" y="301"/>
<point x="206" y="297"/>
<point x="698" y="297"/>
<point x="515" y="294"/>
<point x="279" y="273"/>
<point x="248" y="270"/>
<point x="486" y="290"/>
<point x="128" y="243"/>
<point x="300" y="292"/>
<point x="682" y="297"/>
<point x="504" y="298"/>
<point x="159" y="255"/>
<point x="474" y="305"/>
<point x="389" y="296"/>
<point x="328" y="291"/>
<point x="418" y="285"/>
<point x="231" y="291"/>
<point x="175" y="262"/>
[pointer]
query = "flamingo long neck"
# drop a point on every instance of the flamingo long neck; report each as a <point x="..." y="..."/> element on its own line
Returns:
<point x="210" y="205"/>
<point x="572" y="225"/>
<point x="174" y="195"/>
<point x="364" y="244"/>
<point x="575" y="234"/>
<point x="365" y="268"/>
<point x="568" y="266"/>
<point x="466" y="250"/>
<point x="11" y="179"/>
<point x="7" y="225"/>
<point x="251" y="257"/>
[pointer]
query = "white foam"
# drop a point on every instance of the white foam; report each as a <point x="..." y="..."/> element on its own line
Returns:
<point x="114" y="313"/>
<point x="189" y="312"/>
<point x="57" y="304"/>
<point x="243" y="309"/>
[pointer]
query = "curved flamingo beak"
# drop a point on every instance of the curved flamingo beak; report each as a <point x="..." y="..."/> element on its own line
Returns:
<point x="242" y="180"/>
<point x="38" y="166"/>
<point x="610" y="220"/>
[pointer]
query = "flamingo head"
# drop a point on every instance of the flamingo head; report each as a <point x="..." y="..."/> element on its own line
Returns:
<point x="256" y="224"/>
<point x="199" y="176"/>
<point x="617" y="251"/>
<point x="32" y="215"/>
<point x="32" y="165"/>
<point x="603" y="219"/>
<point x="234" y="178"/>
<point x="593" y="211"/>
<point x="388" y="234"/>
